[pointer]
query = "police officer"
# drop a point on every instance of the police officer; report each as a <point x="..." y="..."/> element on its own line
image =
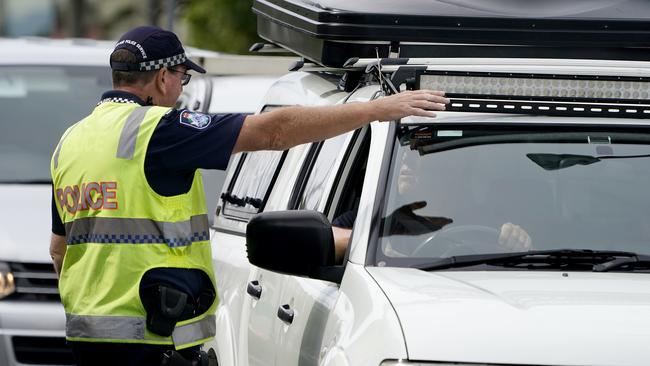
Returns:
<point x="130" y="229"/>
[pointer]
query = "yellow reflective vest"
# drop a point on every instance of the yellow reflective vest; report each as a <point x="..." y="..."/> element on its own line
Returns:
<point x="117" y="228"/>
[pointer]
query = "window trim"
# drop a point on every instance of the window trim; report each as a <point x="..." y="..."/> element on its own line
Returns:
<point x="378" y="207"/>
<point x="304" y="174"/>
<point x="242" y="214"/>
<point x="245" y="217"/>
<point x="343" y="172"/>
<point x="273" y="180"/>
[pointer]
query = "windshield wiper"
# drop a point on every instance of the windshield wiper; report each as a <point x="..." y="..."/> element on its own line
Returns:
<point x="558" y="256"/>
<point x="630" y="262"/>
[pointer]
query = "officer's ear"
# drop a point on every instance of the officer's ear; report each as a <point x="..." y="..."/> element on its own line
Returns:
<point x="162" y="76"/>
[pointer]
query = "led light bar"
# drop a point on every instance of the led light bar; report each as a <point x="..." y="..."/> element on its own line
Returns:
<point x="545" y="86"/>
<point x="564" y="95"/>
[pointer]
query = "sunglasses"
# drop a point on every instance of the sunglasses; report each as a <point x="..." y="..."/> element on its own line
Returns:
<point x="185" y="78"/>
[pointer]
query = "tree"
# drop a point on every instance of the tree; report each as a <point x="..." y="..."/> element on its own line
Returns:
<point x="221" y="25"/>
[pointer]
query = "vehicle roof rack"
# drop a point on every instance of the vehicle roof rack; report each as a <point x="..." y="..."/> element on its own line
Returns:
<point x="261" y="47"/>
<point x="448" y="28"/>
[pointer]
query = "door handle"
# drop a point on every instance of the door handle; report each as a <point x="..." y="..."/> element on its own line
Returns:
<point x="254" y="289"/>
<point x="285" y="313"/>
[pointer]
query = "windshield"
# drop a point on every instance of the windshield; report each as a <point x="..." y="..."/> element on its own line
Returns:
<point x="38" y="104"/>
<point x="464" y="192"/>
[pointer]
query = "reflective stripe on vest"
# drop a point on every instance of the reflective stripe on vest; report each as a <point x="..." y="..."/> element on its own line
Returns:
<point x="133" y="328"/>
<point x="195" y="332"/>
<point x="58" y="146"/>
<point x="109" y="230"/>
<point x="129" y="136"/>
<point x="111" y="327"/>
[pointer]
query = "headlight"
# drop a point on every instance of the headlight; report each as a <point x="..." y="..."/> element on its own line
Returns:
<point x="408" y="363"/>
<point x="7" y="283"/>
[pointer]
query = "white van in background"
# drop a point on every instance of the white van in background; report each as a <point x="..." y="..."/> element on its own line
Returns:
<point x="46" y="85"/>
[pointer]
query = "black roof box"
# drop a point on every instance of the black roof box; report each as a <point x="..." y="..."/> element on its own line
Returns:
<point x="331" y="31"/>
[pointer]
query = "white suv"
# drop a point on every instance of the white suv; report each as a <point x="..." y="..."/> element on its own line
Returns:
<point x="425" y="278"/>
<point x="46" y="85"/>
<point x="556" y="147"/>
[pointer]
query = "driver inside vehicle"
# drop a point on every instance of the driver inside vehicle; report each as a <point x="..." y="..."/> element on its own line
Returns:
<point x="406" y="222"/>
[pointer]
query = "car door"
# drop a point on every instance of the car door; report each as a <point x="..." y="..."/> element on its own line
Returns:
<point x="305" y="303"/>
<point x="246" y="293"/>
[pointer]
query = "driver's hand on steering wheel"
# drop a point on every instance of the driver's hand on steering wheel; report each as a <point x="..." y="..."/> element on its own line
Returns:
<point x="515" y="239"/>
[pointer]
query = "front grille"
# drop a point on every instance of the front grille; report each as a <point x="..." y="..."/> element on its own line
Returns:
<point x="42" y="351"/>
<point x="34" y="282"/>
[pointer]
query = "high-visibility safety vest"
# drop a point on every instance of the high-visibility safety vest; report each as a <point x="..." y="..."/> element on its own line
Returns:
<point x="118" y="228"/>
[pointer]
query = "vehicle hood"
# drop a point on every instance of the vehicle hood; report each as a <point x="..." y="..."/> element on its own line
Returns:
<point x="25" y="222"/>
<point x="523" y="318"/>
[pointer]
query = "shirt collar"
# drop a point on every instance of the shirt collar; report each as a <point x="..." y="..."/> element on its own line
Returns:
<point x="120" y="96"/>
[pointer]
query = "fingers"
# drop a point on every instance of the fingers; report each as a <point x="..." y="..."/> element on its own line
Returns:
<point x="429" y="92"/>
<point x="427" y="104"/>
<point x="420" y="103"/>
<point x="514" y="238"/>
<point x="504" y="235"/>
<point x="513" y="241"/>
<point x="423" y="102"/>
<point x="427" y="95"/>
<point x="417" y="205"/>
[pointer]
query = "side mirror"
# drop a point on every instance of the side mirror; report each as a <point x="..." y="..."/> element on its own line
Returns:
<point x="295" y="242"/>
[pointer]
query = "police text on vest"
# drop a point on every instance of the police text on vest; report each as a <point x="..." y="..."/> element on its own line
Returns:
<point x="90" y="196"/>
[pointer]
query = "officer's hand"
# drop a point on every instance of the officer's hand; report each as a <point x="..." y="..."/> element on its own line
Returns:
<point x="515" y="239"/>
<point x="409" y="103"/>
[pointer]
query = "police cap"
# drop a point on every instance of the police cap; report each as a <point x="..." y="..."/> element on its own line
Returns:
<point x="154" y="49"/>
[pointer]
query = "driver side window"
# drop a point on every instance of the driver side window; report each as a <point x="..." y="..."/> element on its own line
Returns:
<point x="345" y="200"/>
<point x="318" y="167"/>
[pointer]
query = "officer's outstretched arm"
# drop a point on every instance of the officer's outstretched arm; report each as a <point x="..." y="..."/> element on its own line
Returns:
<point x="284" y="128"/>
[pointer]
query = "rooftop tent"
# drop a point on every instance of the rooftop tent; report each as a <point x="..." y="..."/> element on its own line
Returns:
<point x="330" y="32"/>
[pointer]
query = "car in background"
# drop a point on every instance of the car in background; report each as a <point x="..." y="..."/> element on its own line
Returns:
<point x="45" y="86"/>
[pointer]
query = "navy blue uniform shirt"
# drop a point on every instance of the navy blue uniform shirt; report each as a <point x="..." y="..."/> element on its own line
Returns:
<point x="175" y="151"/>
<point x="346" y="219"/>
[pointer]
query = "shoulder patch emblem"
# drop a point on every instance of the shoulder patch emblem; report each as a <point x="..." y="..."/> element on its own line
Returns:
<point x="195" y="119"/>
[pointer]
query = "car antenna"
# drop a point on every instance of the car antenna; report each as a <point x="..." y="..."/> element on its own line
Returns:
<point x="386" y="86"/>
<point x="380" y="75"/>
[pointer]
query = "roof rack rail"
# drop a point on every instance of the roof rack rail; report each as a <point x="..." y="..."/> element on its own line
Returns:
<point x="564" y="63"/>
<point x="261" y="47"/>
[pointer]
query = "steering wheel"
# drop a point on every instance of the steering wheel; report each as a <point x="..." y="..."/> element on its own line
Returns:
<point x="459" y="240"/>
